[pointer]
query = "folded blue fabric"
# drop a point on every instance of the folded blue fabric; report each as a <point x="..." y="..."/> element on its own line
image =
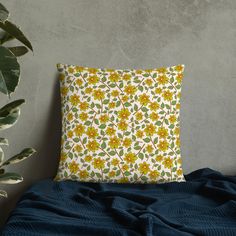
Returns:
<point x="204" y="205"/>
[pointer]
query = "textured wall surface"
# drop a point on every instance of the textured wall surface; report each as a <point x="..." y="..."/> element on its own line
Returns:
<point x="122" y="34"/>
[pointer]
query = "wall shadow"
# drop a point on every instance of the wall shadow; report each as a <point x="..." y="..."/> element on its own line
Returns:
<point x="50" y="146"/>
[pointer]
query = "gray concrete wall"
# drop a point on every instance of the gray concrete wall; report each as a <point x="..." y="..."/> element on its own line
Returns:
<point x="124" y="34"/>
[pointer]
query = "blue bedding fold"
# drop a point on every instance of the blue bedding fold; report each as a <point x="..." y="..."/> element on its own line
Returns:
<point x="204" y="205"/>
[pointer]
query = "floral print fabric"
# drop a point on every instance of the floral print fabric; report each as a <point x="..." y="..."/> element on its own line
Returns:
<point x="120" y="125"/>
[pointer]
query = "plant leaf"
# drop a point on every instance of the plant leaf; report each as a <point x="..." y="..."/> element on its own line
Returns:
<point x="1" y="155"/>
<point x="3" y="193"/>
<point x="27" y="152"/>
<point x="10" y="107"/>
<point x="10" y="178"/>
<point x="19" y="50"/>
<point x="5" y="38"/>
<point x="4" y="13"/>
<point x="3" y="141"/>
<point x="3" y="86"/>
<point x="10" y="113"/>
<point x="8" y="121"/>
<point x="15" y="31"/>
<point x="10" y="71"/>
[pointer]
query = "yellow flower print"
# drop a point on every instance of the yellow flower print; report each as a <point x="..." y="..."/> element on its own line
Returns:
<point x="158" y="90"/>
<point x="125" y="167"/>
<point x="122" y="125"/>
<point x="162" y="70"/>
<point x="70" y="134"/>
<point x="92" y="132"/>
<point x="148" y="70"/>
<point x="92" y="146"/>
<point x="144" y="167"/>
<point x="167" y="95"/>
<point x="179" y="172"/>
<point x="179" y="161"/>
<point x="74" y="100"/>
<point x="178" y="142"/>
<point x="154" y="116"/>
<point x="139" y="116"/>
<point x="115" y="162"/>
<point x="112" y="105"/>
<point x="130" y="157"/>
<point x="168" y="162"/>
<point x="126" y="77"/>
<point x="63" y="156"/>
<point x="73" y="167"/>
<point x="139" y="72"/>
<point x="163" y="145"/>
<point x="127" y="142"/>
<point x="150" y="130"/>
<point x="124" y="114"/>
<point x="159" y="158"/>
<point x="139" y="134"/>
<point x="112" y="174"/>
<point x="162" y="79"/>
<point x="71" y="70"/>
<point x="88" y="158"/>
<point x="83" y="116"/>
<point x="104" y="118"/>
<point x="177" y="106"/>
<point x="79" y="82"/>
<point x="162" y="132"/>
<point x="98" y="94"/>
<point x="78" y="148"/>
<point x="144" y="99"/>
<point x="123" y="180"/>
<point x="70" y="117"/>
<point x="98" y="163"/>
<point x="115" y="93"/>
<point x="179" y="95"/>
<point x="110" y="131"/>
<point x="93" y="79"/>
<point x="148" y="82"/>
<point x="92" y="70"/>
<point x="172" y="119"/>
<point x="179" y="78"/>
<point x="114" y="77"/>
<point x="177" y="131"/>
<point x="154" y="174"/>
<point x="114" y="142"/>
<point x="79" y="68"/>
<point x="154" y="106"/>
<point x="83" y="174"/>
<point x="88" y="90"/>
<point x="62" y="141"/>
<point x="79" y="129"/>
<point x="130" y="89"/>
<point x="110" y="70"/>
<point x="179" y="68"/>
<point x="125" y="98"/>
<point x="83" y="106"/>
<point x="61" y="77"/>
<point x="149" y="148"/>
<point x="64" y="91"/>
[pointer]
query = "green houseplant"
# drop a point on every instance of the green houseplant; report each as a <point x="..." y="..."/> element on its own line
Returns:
<point x="9" y="79"/>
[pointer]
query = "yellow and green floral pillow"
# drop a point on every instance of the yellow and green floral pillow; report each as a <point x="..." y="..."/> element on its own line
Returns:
<point x="120" y="125"/>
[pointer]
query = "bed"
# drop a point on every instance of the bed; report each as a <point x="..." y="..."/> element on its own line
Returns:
<point x="203" y="205"/>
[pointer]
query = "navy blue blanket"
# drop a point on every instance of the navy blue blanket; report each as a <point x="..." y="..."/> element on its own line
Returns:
<point x="204" y="205"/>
